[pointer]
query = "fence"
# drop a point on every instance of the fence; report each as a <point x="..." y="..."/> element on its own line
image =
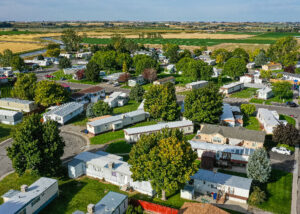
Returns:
<point x="155" y="208"/>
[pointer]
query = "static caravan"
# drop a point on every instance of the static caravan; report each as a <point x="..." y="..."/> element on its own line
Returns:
<point x="232" y="87"/>
<point x="32" y="199"/>
<point x="17" y="104"/>
<point x="269" y="119"/>
<point x="134" y="134"/>
<point x="196" y="85"/>
<point x="117" y="99"/>
<point x="265" y="93"/>
<point x="64" y="113"/>
<point x="10" y="117"/>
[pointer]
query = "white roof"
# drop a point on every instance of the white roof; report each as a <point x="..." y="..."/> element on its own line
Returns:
<point x="116" y="118"/>
<point x="15" y="100"/>
<point x="20" y="200"/>
<point x="264" y="90"/>
<point x="227" y="112"/>
<point x="113" y="96"/>
<point x="197" y="83"/>
<point x="158" y="127"/>
<point x="8" y="113"/>
<point x="65" y="109"/>
<point x="232" y="85"/>
<point x="109" y="203"/>
<point x="268" y="116"/>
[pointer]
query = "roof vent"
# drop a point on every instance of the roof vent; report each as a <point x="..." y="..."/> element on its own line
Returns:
<point x="111" y="165"/>
<point x="91" y="208"/>
<point x="24" y="188"/>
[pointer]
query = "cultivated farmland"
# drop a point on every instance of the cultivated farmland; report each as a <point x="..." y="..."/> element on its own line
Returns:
<point x="17" y="47"/>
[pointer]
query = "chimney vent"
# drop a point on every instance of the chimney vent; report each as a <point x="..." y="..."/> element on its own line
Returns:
<point x="24" y="188"/>
<point x="111" y="165"/>
<point x="91" y="208"/>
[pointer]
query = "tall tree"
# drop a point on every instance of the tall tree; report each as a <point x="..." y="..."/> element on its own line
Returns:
<point x="53" y="52"/>
<point x="6" y="57"/>
<point x="64" y="62"/>
<point x="241" y="53"/>
<point x="171" y="51"/>
<point x="71" y="40"/>
<point x="24" y="87"/>
<point x="259" y="166"/>
<point x="254" y="54"/>
<point x="261" y="59"/>
<point x="221" y="55"/>
<point x="17" y="63"/>
<point x="286" y="134"/>
<point x="137" y="93"/>
<point x="235" y="67"/>
<point x="149" y="74"/>
<point x="248" y="109"/>
<point x="49" y="93"/>
<point x="142" y="62"/>
<point x="36" y="146"/>
<point x="101" y="108"/>
<point x="92" y="71"/>
<point x="165" y="158"/>
<point x="204" y="105"/>
<point x="122" y="58"/>
<point x="283" y="90"/>
<point x="105" y="59"/>
<point x="161" y="102"/>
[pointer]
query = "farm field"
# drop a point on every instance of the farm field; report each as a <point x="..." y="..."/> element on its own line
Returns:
<point x="16" y="32"/>
<point x="18" y="47"/>
<point x="30" y="37"/>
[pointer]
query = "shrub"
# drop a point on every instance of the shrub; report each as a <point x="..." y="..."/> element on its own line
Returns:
<point x="257" y="196"/>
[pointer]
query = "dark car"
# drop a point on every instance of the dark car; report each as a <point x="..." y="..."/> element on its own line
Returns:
<point x="291" y="104"/>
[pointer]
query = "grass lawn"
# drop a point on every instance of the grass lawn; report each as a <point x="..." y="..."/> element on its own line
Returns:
<point x="289" y="119"/>
<point x="291" y="148"/>
<point x="147" y="86"/>
<point x="251" y="123"/>
<point x="5" y="90"/>
<point x="84" y="81"/>
<point x="80" y="120"/>
<point x="279" y="193"/>
<point x="130" y="106"/>
<point x="246" y="93"/>
<point x="119" y="147"/>
<point x="6" y="131"/>
<point x="269" y="101"/>
<point x="60" y="74"/>
<point x="190" y="136"/>
<point x="255" y="100"/>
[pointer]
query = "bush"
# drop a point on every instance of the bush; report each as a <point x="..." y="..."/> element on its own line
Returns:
<point x="248" y="109"/>
<point x="257" y="196"/>
<point x="134" y="210"/>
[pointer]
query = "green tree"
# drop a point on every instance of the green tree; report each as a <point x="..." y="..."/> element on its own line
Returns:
<point x="71" y="40"/>
<point x="36" y="146"/>
<point x="261" y="59"/>
<point x="248" y="109"/>
<point x="257" y="196"/>
<point x="89" y="111"/>
<point x="64" y="62"/>
<point x="122" y="58"/>
<point x="265" y="74"/>
<point x="49" y="93"/>
<point x="259" y="166"/>
<point x="241" y="53"/>
<point x="137" y="93"/>
<point x="161" y="102"/>
<point x="165" y="159"/>
<point x="101" y="108"/>
<point x="92" y="71"/>
<point x="142" y="62"/>
<point x="235" y="67"/>
<point x="221" y="55"/>
<point x="283" y="90"/>
<point x="286" y="134"/>
<point x="53" y="52"/>
<point x="105" y="59"/>
<point x="40" y="57"/>
<point x="184" y="53"/>
<point x="183" y="64"/>
<point x="124" y="67"/>
<point x="204" y="105"/>
<point x="198" y="70"/>
<point x="17" y="63"/>
<point x="197" y="52"/>
<point x="24" y="86"/>
<point x="171" y="52"/>
<point x="118" y="42"/>
<point x="53" y="46"/>
<point x="6" y="58"/>
<point x="254" y="54"/>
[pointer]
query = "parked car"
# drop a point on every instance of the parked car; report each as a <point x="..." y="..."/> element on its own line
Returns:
<point x="291" y="104"/>
<point x="281" y="150"/>
<point x="116" y="84"/>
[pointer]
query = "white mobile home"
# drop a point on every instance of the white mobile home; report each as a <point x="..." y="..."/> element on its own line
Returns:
<point x="17" y="104"/>
<point x="116" y="122"/>
<point x="232" y="87"/>
<point x="134" y="134"/>
<point x="136" y="81"/>
<point x="10" y="117"/>
<point x="83" y="55"/>
<point x="113" y="170"/>
<point x="30" y="199"/>
<point x="269" y="119"/>
<point x="265" y="93"/>
<point x="229" y="186"/>
<point x="92" y="94"/>
<point x="64" y="113"/>
<point x="117" y="99"/>
<point x="196" y="85"/>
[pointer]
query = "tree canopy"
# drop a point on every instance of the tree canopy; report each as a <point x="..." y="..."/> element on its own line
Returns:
<point x="171" y="52"/>
<point x="286" y="134"/>
<point x="6" y="57"/>
<point x="17" y="63"/>
<point x="221" y="55"/>
<point x="101" y="108"/>
<point x="235" y="67"/>
<point x="92" y="71"/>
<point x="24" y="87"/>
<point x="36" y="146"/>
<point x="71" y="40"/>
<point x="161" y="102"/>
<point x="261" y="58"/>
<point x="282" y="90"/>
<point x="248" y="109"/>
<point x="137" y="93"/>
<point x="142" y="62"/>
<point x="64" y="62"/>
<point x="241" y="53"/>
<point x="204" y="105"/>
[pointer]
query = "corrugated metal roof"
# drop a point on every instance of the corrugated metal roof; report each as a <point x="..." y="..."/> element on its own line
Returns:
<point x="157" y="127"/>
<point x="8" y="99"/>
<point x="8" y="113"/>
<point x="224" y="179"/>
<point x="268" y="116"/>
<point x="232" y="85"/>
<point x="197" y="83"/>
<point x="109" y="203"/>
<point x="65" y="109"/>
<point x="227" y="112"/>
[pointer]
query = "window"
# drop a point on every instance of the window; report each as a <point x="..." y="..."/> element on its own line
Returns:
<point x="213" y="186"/>
<point x="217" y="140"/>
<point x="34" y="201"/>
<point x="114" y="174"/>
<point x="23" y="211"/>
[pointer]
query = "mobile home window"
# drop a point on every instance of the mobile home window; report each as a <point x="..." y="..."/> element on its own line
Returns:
<point x="37" y="199"/>
<point x="114" y="174"/>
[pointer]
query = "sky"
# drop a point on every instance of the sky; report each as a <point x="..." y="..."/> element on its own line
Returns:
<point x="150" y="10"/>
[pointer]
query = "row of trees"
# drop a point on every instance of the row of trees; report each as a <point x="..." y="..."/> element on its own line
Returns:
<point x="8" y="59"/>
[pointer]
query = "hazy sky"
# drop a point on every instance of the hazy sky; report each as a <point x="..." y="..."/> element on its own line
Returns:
<point x="150" y="10"/>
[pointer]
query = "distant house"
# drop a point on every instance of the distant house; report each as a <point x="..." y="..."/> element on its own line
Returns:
<point x="116" y="122"/>
<point x="171" y="68"/>
<point x="162" y="81"/>
<point x="250" y="65"/>
<point x="17" y="104"/>
<point x="272" y="66"/>
<point x="139" y="80"/>
<point x="207" y="59"/>
<point x="79" y="75"/>
<point x="83" y="55"/>
<point x="221" y="186"/>
<point x="117" y="99"/>
<point x="225" y="155"/>
<point x="63" y="113"/>
<point x="268" y="119"/>
<point x="134" y="134"/>
<point x="196" y="85"/>
<point x="6" y="71"/>
<point x="232" y="87"/>
<point x="235" y="136"/>
<point x="112" y="169"/>
<point x="216" y="72"/>
<point x="265" y="93"/>
<point x="111" y="203"/>
<point x="291" y="77"/>
<point x="92" y="94"/>
<point x="200" y="208"/>
<point x="251" y="78"/>
<point x="67" y="55"/>
<point x="232" y="115"/>
<point x="74" y="69"/>
<point x="10" y="117"/>
<point x="44" y="62"/>
<point x="30" y="199"/>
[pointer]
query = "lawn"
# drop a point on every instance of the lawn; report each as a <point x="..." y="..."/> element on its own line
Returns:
<point x="251" y="123"/>
<point x="5" y="90"/>
<point x="246" y="93"/>
<point x="289" y="119"/>
<point x="190" y="136"/>
<point x="84" y="81"/>
<point x="279" y="193"/>
<point x="269" y="101"/>
<point x="119" y="147"/>
<point x="6" y="131"/>
<point x="60" y="74"/>
<point x="79" y="120"/>
<point x="130" y="106"/>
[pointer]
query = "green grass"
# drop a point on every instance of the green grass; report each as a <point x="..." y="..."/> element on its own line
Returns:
<point x="190" y="136"/>
<point x="288" y="119"/>
<point x="79" y="120"/>
<point x="6" y="131"/>
<point x="269" y="101"/>
<point x="251" y="123"/>
<point x="60" y="74"/>
<point x="145" y="123"/>
<point x="107" y="137"/>
<point x="132" y="105"/>
<point x="279" y="193"/>
<point x="255" y="100"/>
<point x="84" y="81"/>
<point x="246" y="93"/>
<point x="119" y="147"/>
<point x="274" y="35"/>
<point x="5" y="90"/>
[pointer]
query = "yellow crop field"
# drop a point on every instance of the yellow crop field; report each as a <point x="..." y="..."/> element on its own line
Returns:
<point x="17" y="47"/>
<point x="27" y="37"/>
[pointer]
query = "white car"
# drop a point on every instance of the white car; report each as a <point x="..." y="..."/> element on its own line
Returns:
<point x="281" y="150"/>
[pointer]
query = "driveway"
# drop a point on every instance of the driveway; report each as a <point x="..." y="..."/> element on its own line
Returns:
<point x="282" y="162"/>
